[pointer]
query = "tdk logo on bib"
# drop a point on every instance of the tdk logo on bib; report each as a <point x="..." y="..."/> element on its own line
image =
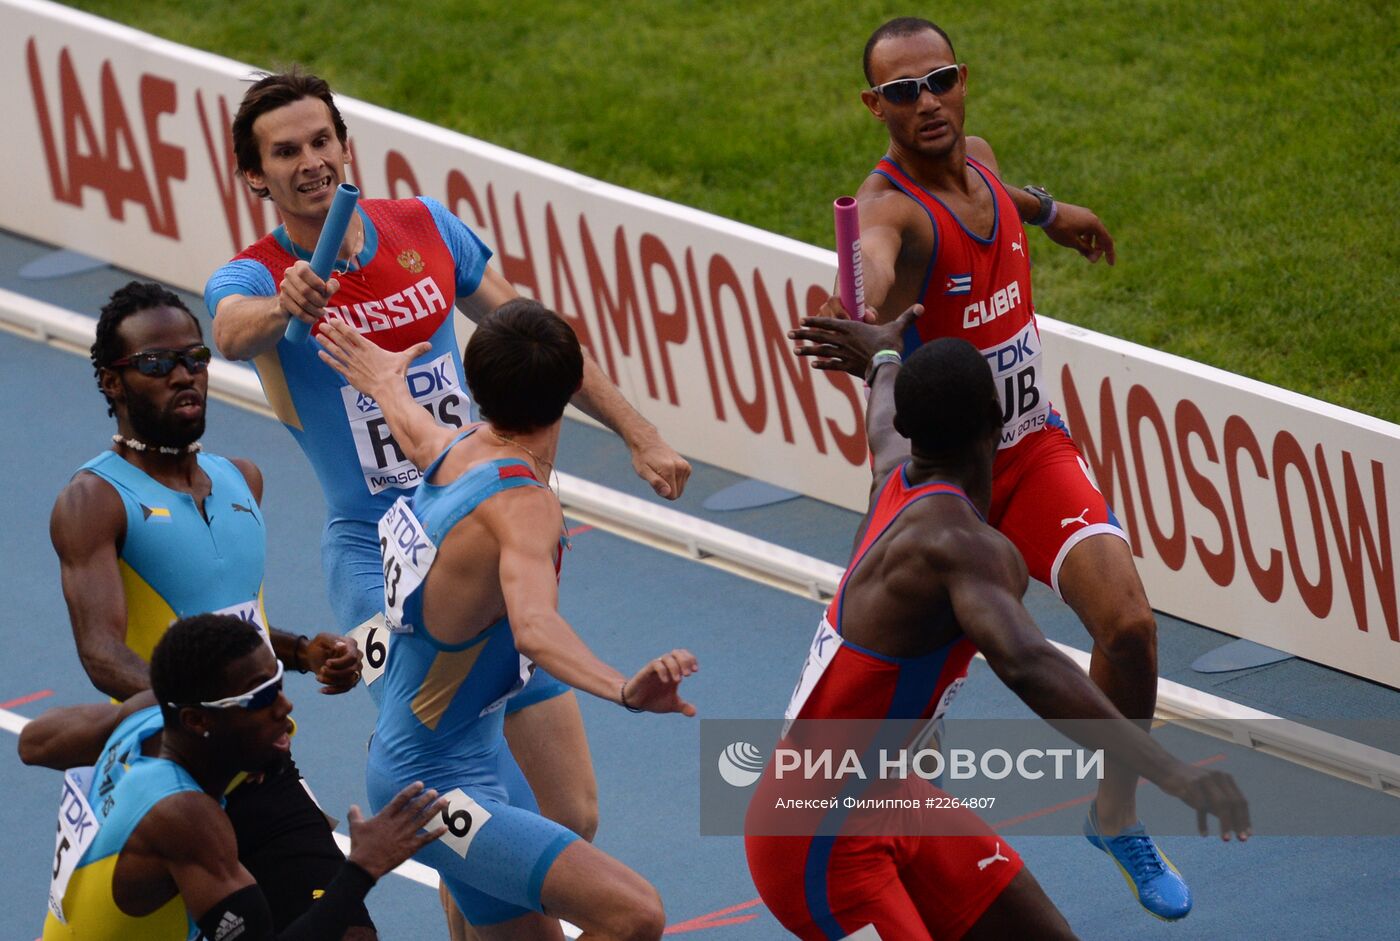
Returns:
<point x="437" y="376"/>
<point x="1021" y="349"/>
<point x="435" y="386"/>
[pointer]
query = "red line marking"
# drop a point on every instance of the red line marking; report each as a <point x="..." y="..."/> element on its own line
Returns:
<point x="1043" y="812"/>
<point x="686" y="927"/>
<point x="577" y="531"/>
<point x="41" y="694"/>
<point x="715" y="919"/>
<point x="1065" y="805"/>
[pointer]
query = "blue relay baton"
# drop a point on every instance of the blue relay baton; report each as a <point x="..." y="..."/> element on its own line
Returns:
<point x="328" y="247"/>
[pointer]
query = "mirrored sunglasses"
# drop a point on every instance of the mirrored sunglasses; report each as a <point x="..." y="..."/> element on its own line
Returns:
<point x="159" y="363"/>
<point x="902" y="91"/>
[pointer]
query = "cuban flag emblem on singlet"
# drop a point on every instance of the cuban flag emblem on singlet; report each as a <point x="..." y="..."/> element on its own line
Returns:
<point x="958" y="284"/>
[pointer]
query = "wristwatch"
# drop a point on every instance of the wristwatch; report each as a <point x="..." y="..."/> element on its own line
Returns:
<point x="1048" y="208"/>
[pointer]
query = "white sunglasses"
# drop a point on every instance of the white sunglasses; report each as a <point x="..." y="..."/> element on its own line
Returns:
<point x="259" y="697"/>
<point x="902" y="91"/>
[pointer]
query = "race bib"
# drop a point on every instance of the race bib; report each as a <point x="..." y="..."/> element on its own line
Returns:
<point x="77" y="828"/>
<point x="407" y="554"/>
<point x="819" y="657"/>
<point x="373" y="639"/>
<point x="464" y="819"/>
<point x="527" y="667"/>
<point x="947" y="698"/>
<point x="1016" y="364"/>
<point x="250" y="612"/>
<point x="435" y="386"/>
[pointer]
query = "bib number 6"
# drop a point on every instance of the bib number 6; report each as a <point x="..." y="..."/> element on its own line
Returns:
<point x="373" y="638"/>
<point x="464" y="819"/>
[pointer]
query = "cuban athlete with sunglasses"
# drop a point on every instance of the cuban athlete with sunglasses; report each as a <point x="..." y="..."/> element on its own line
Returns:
<point x="152" y="530"/>
<point x="143" y="849"/>
<point x="938" y="228"/>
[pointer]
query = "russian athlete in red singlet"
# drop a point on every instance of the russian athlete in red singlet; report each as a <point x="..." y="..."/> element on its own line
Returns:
<point x="834" y="852"/>
<point x="939" y="229"/>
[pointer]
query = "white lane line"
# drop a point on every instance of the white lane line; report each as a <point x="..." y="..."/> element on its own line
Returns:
<point x="12" y="721"/>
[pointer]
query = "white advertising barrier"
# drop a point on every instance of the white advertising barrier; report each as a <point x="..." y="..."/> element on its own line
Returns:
<point x="118" y="145"/>
<point x="1252" y="510"/>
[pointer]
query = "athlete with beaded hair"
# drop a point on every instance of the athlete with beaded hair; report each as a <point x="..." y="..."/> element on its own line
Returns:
<point x="153" y="530"/>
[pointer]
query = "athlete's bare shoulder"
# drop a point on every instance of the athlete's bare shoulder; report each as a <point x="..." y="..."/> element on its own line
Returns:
<point x="165" y="833"/>
<point x="953" y="539"/>
<point x="884" y="206"/>
<point x="88" y="508"/>
<point x="252" y="474"/>
<point x="523" y="515"/>
<point x="882" y="201"/>
<point x="981" y="151"/>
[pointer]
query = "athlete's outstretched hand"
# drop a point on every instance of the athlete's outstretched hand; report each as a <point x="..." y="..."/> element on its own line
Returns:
<point x="1078" y="228"/>
<point x="335" y="660"/>
<point x="364" y="365"/>
<point x="656" y="687"/>
<point x="394" y="834"/>
<point x="848" y="345"/>
<point x="1211" y="792"/>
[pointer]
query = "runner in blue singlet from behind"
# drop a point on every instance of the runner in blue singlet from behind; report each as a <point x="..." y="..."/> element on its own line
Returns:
<point x="471" y="595"/>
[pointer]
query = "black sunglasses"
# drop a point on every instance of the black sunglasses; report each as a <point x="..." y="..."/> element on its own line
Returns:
<point x="902" y="91"/>
<point x="160" y="363"/>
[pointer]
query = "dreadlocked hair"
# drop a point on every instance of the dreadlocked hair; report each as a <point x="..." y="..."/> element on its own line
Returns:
<point x="134" y="298"/>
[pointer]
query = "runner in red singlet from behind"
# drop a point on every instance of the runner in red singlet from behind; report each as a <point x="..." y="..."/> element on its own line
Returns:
<point x="929" y="584"/>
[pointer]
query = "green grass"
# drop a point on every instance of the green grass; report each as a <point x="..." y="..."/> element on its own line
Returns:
<point x="1244" y="155"/>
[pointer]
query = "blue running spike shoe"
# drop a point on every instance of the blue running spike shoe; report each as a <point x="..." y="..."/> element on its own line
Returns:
<point x="1152" y="877"/>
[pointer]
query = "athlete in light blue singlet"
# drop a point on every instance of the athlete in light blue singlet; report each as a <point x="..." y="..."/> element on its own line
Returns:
<point x="153" y="530"/>
<point x="470" y="569"/>
<point x="362" y="470"/>
<point x="441" y="722"/>
<point x="89" y="906"/>
<point x="164" y="530"/>
<point x="417" y="259"/>
<point x="144" y="848"/>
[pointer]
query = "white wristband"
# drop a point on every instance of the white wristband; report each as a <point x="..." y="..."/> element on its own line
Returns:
<point x="880" y="359"/>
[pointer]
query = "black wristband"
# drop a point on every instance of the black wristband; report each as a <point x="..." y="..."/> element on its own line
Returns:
<point x="298" y="654"/>
<point x="1048" y="208"/>
<point x="622" y="697"/>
